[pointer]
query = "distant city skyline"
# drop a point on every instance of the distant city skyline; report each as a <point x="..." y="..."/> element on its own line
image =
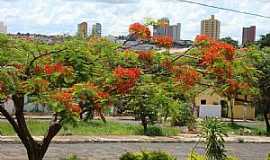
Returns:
<point x="61" y="16"/>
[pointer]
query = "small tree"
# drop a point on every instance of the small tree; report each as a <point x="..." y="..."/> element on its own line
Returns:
<point x="262" y="61"/>
<point x="229" y="70"/>
<point x="46" y="75"/>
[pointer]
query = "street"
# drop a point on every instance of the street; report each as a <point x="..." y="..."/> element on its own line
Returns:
<point x="112" y="151"/>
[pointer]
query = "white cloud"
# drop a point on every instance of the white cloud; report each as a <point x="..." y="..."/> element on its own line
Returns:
<point x="61" y="16"/>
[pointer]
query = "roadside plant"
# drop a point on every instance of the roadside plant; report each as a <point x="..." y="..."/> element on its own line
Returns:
<point x="183" y="115"/>
<point x="214" y="132"/>
<point x="143" y="106"/>
<point x="147" y="155"/>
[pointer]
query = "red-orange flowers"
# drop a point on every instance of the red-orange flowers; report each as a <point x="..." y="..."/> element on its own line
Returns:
<point x="201" y="38"/>
<point x="63" y="97"/>
<point x="130" y="73"/>
<point x="74" y="107"/>
<point x="126" y="78"/>
<point x="188" y="76"/>
<point x="140" y="31"/>
<point x="145" y="56"/>
<point x="66" y="98"/>
<point x="163" y="41"/>
<point x="215" y="50"/>
<point x="54" y="68"/>
<point x="102" y="95"/>
<point x="167" y="64"/>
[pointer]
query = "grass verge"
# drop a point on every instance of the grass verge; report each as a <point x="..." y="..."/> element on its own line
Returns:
<point x="92" y="128"/>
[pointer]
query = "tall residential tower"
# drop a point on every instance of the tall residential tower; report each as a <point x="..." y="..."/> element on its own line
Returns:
<point x="249" y="34"/>
<point x="165" y="29"/>
<point x="211" y="27"/>
<point x="82" y="30"/>
<point x="3" y="28"/>
<point x="96" y="30"/>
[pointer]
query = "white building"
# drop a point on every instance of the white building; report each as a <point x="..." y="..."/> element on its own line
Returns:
<point x="3" y="28"/>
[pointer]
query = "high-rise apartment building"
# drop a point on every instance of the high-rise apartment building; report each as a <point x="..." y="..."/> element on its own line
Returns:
<point x="175" y="31"/>
<point x="211" y="27"/>
<point x="162" y="29"/>
<point x="3" y="28"/>
<point x="82" y="30"/>
<point x="96" y="29"/>
<point x="248" y="35"/>
<point x="165" y="29"/>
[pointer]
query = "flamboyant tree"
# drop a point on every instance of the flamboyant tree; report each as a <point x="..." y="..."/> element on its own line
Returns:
<point x="59" y="76"/>
<point x="229" y="69"/>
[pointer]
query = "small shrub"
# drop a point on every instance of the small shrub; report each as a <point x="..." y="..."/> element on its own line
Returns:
<point x="154" y="155"/>
<point x="183" y="116"/>
<point x="268" y="158"/>
<point x="196" y="156"/>
<point x="154" y="131"/>
<point x="71" y="157"/>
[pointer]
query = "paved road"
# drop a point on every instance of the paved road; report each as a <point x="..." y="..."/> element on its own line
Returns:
<point x="112" y="151"/>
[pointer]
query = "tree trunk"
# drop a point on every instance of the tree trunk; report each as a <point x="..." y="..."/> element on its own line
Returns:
<point x="35" y="150"/>
<point x="144" y="123"/>
<point x="266" y="122"/>
<point x="231" y="109"/>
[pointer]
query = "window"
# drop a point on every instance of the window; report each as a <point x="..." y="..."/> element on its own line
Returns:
<point x="203" y="102"/>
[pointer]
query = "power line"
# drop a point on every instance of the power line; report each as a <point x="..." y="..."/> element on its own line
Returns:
<point x="226" y="9"/>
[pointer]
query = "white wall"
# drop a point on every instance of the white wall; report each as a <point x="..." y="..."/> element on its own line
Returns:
<point x="210" y="111"/>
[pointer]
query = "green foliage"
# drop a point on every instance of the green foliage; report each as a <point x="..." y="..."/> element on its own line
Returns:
<point x="264" y="41"/>
<point x="229" y="40"/>
<point x="268" y="158"/>
<point x="195" y="156"/>
<point x="182" y="115"/>
<point x="214" y="131"/>
<point x="71" y="157"/>
<point x="145" y="155"/>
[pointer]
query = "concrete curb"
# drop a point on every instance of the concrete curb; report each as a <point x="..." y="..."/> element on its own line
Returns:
<point x="135" y="139"/>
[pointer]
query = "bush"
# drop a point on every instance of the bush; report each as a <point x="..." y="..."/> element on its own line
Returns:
<point x="268" y="156"/>
<point x="147" y="156"/>
<point x="154" y="131"/>
<point x="183" y="116"/>
<point x="71" y="157"/>
<point x="196" y="156"/>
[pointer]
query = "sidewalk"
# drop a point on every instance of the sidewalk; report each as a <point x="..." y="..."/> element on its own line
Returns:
<point x="183" y="138"/>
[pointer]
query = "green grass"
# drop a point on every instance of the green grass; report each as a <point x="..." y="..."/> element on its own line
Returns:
<point x="93" y="128"/>
<point x="255" y="128"/>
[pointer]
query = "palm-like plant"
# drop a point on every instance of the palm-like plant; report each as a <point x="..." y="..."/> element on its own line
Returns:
<point x="214" y="132"/>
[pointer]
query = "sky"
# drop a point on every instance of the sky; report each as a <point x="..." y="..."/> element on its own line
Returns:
<point x="62" y="16"/>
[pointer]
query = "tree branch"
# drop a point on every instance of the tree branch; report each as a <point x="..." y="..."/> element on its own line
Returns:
<point x="183" y="55"/>
<point x="27" y="70"/>
<point x="9" y="118"/>
<point x="19" y="104"/>
<point x="54" y="128"/>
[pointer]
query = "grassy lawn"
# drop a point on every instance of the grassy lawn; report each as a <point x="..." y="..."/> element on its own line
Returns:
<point x="93" y="128"/>
<point x="247" y="128"/>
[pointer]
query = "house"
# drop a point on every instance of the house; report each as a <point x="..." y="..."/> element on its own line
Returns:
<point x="209" y="103"/>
